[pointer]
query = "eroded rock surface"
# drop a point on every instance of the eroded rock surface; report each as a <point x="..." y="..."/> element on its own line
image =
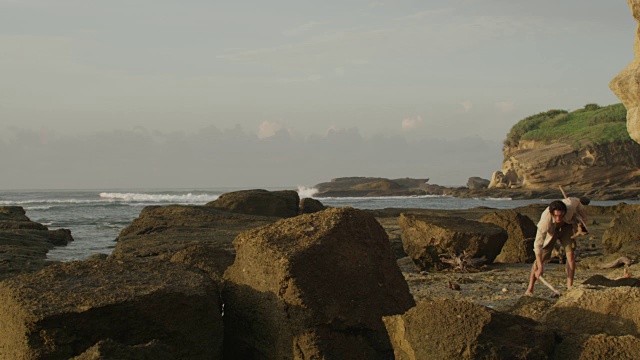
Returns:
<point x="425" y="238"/>
<point x="313" y="286"/>
<point x="66" y="308"/>
<point x="521" y="233"/>
<point x="612" y="311"/>
<point x="449" y="329"/>
<point x="162" y="231"/>
<point x="24" y="244"/>
<point x="624" y="228"/>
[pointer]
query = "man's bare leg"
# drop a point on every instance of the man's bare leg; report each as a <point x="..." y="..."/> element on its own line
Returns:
<point x="571" y="268"/>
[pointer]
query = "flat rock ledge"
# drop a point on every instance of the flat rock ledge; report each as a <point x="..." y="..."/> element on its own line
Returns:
<point x="24" y="243"/>
<point x="65" y="309"/>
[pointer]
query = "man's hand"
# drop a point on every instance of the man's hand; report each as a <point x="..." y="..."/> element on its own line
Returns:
<point x="539" y="271"/>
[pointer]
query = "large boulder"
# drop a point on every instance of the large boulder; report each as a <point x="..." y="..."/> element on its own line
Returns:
<point x="425" y="238"/>
<point x="624" y="228"/>
<point x="521" y="233"/>
<point x="612" y="311"/>
<point x="162" y="231"/>
<point x="24" y="243"/>
<point x="449" y="329"/>
<point x="66" y="308"/>
<point x="310" y="206"/>
<point x="313" y="286"/>
<point x="626" y="85"/>
<point x="284" y="203"/>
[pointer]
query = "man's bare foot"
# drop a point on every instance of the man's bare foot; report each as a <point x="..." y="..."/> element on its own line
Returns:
<point x="528" y="293"/>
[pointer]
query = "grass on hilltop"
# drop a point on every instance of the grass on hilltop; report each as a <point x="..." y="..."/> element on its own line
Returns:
<point x="591" y="124"/>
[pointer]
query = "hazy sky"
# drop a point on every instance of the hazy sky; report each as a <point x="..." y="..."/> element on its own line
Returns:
<point x="108" y="94"/>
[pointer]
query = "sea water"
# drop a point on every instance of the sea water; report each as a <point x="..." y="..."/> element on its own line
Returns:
<point x="95" y="217"/>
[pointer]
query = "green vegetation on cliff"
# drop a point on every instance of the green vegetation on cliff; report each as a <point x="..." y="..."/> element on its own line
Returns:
<point x="591" y="124"/>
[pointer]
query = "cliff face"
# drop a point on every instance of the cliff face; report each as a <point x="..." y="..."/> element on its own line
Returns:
<point x="626" y="85"/>
<point x="535" y="165"/>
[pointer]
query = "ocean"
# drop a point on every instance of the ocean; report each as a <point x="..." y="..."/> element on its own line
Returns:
<point x="95" y="217"/>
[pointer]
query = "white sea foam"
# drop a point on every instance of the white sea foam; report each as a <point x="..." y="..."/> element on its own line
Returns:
<point x="49" y="201"/>
<point x="306" y="192"/>
<point x="27" y="208"/>
<point x="157" y="198"/>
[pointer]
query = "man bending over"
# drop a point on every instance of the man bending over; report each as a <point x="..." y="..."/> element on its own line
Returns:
<point x="557" y="223"/>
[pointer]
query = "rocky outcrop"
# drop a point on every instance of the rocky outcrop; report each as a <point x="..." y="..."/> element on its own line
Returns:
<point x="313" y="286"/>
<point x="587" y="169"/>
<point x="449" y="329"/>
<point x="24" y="244"/>
<point x="371" y="186"/>
<point x="626" y="85"/>
<point x="284" y="203"/>
<point x="162" y="231"/>
<point x="521" y="233"/>
<point x="624" y="228"/>
<point x="425" y="238"/>
<point x="477" y="183"/>
<point x="65" y="309"/>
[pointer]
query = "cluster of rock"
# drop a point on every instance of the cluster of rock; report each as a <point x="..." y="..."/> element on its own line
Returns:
<point x="213" y="282"/>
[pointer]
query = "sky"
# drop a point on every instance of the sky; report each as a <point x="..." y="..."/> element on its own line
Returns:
<point x="285" y="93"/>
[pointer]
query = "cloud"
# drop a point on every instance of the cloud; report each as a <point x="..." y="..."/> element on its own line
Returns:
<point x="234" y="158"/>
<point x="308" y="78"/>
<point x="505" y="106"/>
<point x="411" y="122"/>
<point x="420" y="15"/>
<point x="467" y="105"/>
<point x="303" y="28"/>
<point x="268" y="129"/>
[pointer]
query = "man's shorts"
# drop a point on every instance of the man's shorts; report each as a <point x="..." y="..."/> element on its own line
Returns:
<point x="563" y="234"/>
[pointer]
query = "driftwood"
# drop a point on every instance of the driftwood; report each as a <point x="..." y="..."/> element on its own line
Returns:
<point x="622" y="260"/>
<point x="462" y="262"/>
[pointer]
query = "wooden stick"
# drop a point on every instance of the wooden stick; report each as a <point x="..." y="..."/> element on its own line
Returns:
<point x="549" y="285"/>
<point x="562" y="191"/>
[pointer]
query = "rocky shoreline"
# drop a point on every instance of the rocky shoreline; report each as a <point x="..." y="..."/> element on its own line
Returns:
<point x="371" y="186"/>
<point x="336" y="283"/>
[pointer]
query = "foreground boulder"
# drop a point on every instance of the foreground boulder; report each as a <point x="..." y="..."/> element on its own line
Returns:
<point x="24" y="243"/>
<point x="109" y="349"/>
<point x="65" y="309"/>
<point x="449" y="329"/>
<point x="284" y="203"/>
<point x="314" y="286"/>
<point x="521" y="234"/>
<point x="601" y="346"/>
<point x="612" y="311"/>
<point x="624" y="228"/>
<point x="425" y="238"/>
